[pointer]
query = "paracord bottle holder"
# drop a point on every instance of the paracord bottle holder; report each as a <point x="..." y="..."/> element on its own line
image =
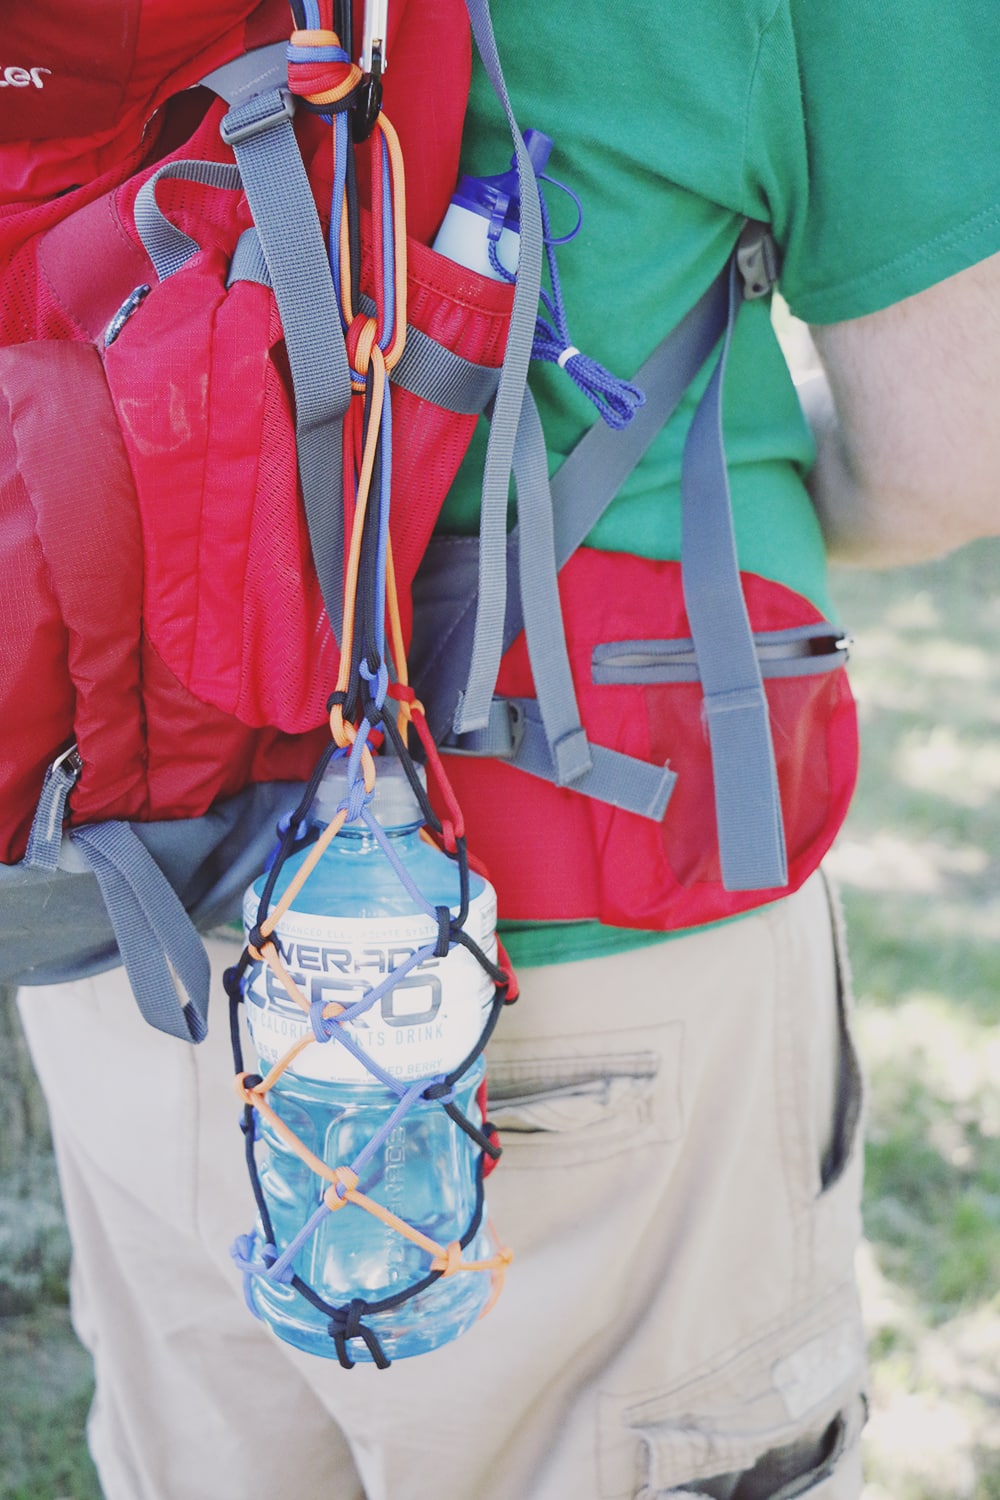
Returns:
<point x="323" y="77"/>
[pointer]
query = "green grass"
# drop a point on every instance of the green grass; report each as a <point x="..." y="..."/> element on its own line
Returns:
<point x="47" y="1388"/>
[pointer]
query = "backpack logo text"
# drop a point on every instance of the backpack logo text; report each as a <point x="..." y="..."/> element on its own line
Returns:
<point x="20" y="78"/>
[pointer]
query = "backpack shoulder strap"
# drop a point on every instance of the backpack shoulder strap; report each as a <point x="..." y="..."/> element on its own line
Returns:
<point x="749" y="814"/>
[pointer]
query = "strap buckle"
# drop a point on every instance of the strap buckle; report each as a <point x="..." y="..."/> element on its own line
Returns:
<point x="499" y="739"/>
<point x="72" y="760"/>
<point x="262" y="112"/>
<point x="757" y="260"/>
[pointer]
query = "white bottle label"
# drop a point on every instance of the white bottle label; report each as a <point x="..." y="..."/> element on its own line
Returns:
<point x="463" y="238"/>
<point x="424" y="1024"/>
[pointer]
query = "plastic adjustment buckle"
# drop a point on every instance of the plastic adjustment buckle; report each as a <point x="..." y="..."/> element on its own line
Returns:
<point x="757" y="260"/>
<point x="500" y="739"/>
<point x="262" y="112"/>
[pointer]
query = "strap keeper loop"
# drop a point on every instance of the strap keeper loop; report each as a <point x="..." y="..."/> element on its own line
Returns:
<point x="572" y="757"/>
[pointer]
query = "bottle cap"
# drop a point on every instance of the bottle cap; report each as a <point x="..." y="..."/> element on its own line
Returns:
<point x="394" y="803"/>
<point x="501" y="194"/>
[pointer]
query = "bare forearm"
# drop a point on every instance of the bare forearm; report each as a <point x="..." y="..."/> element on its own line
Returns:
<point x="865" y="526"/>
<point x="907" y="429"/>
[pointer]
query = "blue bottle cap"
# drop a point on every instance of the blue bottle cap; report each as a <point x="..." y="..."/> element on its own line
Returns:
<point x="498" y="197"/>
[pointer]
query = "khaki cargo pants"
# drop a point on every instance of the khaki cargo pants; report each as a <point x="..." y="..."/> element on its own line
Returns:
<point x="680" y="1184"/>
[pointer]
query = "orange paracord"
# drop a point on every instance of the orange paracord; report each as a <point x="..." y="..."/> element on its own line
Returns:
<point x="373" y="349"/>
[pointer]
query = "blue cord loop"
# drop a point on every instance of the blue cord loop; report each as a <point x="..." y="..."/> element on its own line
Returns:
<point x="380" y="677"/>
<point x="616" y="400"/>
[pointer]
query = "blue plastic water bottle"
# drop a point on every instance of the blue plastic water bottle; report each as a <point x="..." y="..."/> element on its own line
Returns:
<point x="352" y="924"/>
<point x="487" y="209"/>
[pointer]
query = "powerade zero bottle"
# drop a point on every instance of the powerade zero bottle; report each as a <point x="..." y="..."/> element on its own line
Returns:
<point x="352" y="924"/>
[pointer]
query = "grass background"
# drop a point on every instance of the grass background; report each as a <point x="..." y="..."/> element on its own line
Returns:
<point x="919" y="867"/>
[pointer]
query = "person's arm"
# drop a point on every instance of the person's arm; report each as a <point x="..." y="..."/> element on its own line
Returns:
<point x="908" y="425"/>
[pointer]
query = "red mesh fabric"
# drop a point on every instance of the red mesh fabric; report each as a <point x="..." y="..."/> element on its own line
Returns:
<point x="570" y="857"/>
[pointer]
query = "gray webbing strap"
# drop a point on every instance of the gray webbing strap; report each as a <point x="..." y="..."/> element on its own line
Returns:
<point x="159" y="946"/>
<point x="156" y="937"/>
<point x="568" y="749"/>
<point x="248" y="263"/>
<point x="515" y="732"/>
<point x="45" y="837"/>
<point x="487" y="641"/>
<point x="168" y="247"/>
<point x="748" y="808"/>
<point x="277" y="188"/>
<point x="747" y="802"/>
<point x="544" y="736"/>
<point x="593" y="473"/>
<point x="426" y="368"/>
<point x="582" y="488"/>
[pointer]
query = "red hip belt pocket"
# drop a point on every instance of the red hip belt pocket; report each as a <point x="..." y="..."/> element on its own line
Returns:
<point x="556" y="855"/>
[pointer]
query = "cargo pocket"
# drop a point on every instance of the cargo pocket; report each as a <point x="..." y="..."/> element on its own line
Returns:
<point x="737" y="1450"/>
<point x="564" y="1110"/>
<point x="825" y="1465"/>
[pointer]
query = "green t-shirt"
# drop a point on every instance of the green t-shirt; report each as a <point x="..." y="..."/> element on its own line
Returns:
<point x="862" y="131"/>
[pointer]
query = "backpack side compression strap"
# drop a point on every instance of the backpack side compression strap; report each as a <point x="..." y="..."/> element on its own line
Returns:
<point x="163" y="955"/>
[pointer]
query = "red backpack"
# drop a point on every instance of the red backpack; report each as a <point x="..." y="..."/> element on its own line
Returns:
<point x="665" y="731"/>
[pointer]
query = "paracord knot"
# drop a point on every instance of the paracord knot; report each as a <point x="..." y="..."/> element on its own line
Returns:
<point x="357" y="799"/>
<point x="284" y="824"/>
<point x="440" y="1091"/>
<point x="443" y="943"/>
<point x="233" y="981"/>
<point x="244" y="1084"/>
<point x="241" y="1253"/>
<point x="322" y="1025"/>
<point x="359" y="340"/>
<point x="450" y="1262"/>
<point x="345" y="1325"/>
<point x="256" y="941"/>
<point x="320" y="71"/>
<point x="344" y="1182"/>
